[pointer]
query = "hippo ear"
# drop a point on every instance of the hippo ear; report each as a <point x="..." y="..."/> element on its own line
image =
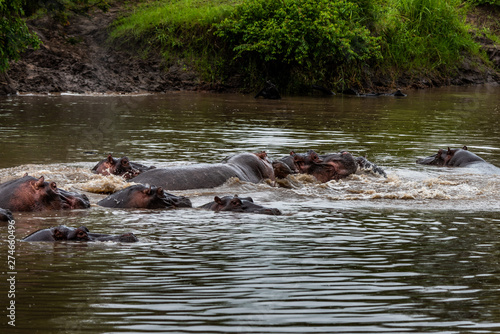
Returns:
<point x="217" y="200"/>
<point x="39" y="184"/>
<point x="292" y="153"/>
<point x="449" y="151"/>
<point x="110" y="159"/>
<point x="84" y="228"/>
<point x="261" y="154"/>
<point x="147" y="191"/>
<point x="465" y="148"/>
<point x="25" y="174"/>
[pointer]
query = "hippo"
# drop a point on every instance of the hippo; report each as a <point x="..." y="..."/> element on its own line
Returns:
<point x="5" y="215"/>
<point x="238" y="204"/>
<point x="324" y="168"/>
<point x="248" y="167"/>
<point x="64" y="233"/>
<point x="304" y="161"/>
<point x="285" y="166"/>
<point x="31" y="194"/>
<point x="282" y="169"/>
<point x="451" y="157"/>
<point x="121" y="167"/>
<point x="269" y="92"/>
<point x="144" y="197"/>
<point x="332" y="166"/>
<point x="459" y="157"/>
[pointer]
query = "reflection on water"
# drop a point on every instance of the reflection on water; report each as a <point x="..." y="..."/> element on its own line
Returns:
<point x="416" y="252"/>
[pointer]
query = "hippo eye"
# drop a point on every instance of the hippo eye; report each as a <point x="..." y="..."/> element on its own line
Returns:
<point x="125" y="162"/>
<point x="53" y="185"/>
<point x="81" y="235"/>
<point x="236" y="202"/>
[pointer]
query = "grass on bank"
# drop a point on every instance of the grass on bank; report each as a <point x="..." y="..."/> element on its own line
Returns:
<point x="297" y="43"/>
<point x="426" y="35"/>
<point x="176" y="29"/>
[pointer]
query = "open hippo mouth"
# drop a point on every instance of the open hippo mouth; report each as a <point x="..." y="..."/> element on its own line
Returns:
<point x="438" y="159"/>
<point x="432" y="160"/>
<point x="72" y="200"/>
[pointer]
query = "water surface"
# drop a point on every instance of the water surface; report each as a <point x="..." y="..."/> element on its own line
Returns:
<point x="416" y="252"/>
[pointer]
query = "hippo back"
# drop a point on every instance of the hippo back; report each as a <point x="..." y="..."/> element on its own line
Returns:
<point x="188" y="177"/>
<point x="247" y="167"/>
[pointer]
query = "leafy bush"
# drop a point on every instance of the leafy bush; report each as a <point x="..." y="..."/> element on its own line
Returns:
<point x="14" y="34"/>
<point x="310" y="37"/>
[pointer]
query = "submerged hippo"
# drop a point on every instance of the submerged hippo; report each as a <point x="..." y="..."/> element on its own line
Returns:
<point x="5" y="215"/>
<point x="64" y="233"/>
<point x="459" y="157"/>
<point x="238" y="204"/>
<point x="248" y="167"/>
<point x="31" y="194"/>
<point x="121" y="167"/>
<point x="145" y="197"/>
<point x="451" y="157"/>
<point x="269" y="92"/>
<point x="332" y="166"/>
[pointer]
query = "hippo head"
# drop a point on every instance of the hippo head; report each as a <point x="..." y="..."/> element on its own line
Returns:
<point x="333" y="166"/>
<point x="31" y="194"/>
<point x="282" y="169"/>
<point x="73" y="200"/>
<point x="145" y="197"/>
<point x="120" y="167"/>
<point x="303" y="161"/>
<point x="65" y="233"/>
<point x="441" y="158"/>
<point x="239" y="204"/>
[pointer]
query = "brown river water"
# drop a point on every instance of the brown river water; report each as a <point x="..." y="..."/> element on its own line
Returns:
<point x="416" y="252"/>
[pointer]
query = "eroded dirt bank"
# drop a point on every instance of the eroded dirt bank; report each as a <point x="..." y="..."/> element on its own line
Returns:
<point x="76" y="58"/>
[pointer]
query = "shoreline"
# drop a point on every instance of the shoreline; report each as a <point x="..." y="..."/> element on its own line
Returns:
<point x="77" y="59"/>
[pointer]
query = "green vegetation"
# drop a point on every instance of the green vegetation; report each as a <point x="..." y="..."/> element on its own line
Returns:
<point x="426" y="35"/>
<point x="297" y="43"/>
<point x="294" y="43"/>
<point x="300" y="41"/>
<point x="178" y="29"/>
<point x="60" y="10"/>
<point x="14" y="34"/>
